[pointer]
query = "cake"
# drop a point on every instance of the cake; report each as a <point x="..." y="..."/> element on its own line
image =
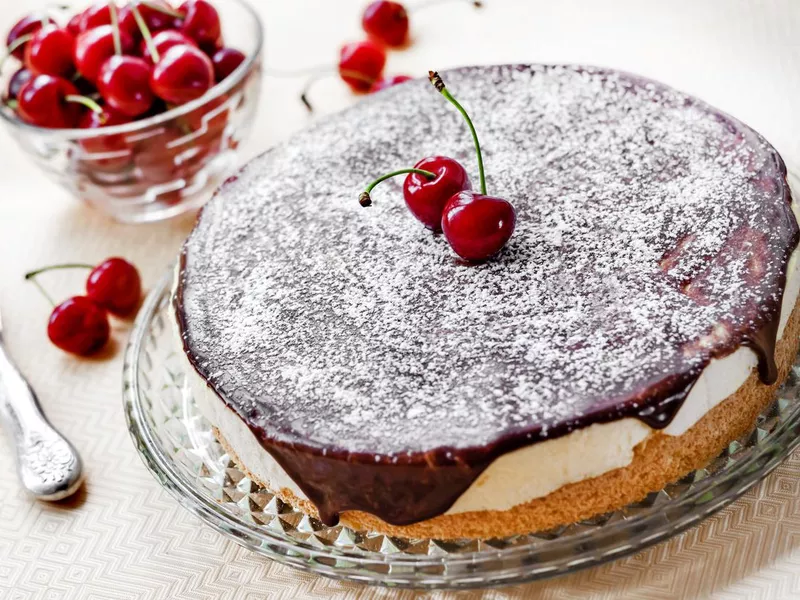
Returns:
<point x="640" y="318"/>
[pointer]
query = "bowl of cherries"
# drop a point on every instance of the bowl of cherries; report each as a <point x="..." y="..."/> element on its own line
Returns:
<point x="137" y="107"/>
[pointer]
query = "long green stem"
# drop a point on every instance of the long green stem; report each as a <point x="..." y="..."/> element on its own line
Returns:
<point x="112" y="10"/>
<point x="437" y="82"/>
<point x="365" y="200"/>
<point x="318" y="74"/>
<point x="86" y="101"/>
<point x="148" y="39"/>
<point x="43" y="291"/>
<point x="15" y="45"/>
<point x="12" y="104"/>
<point x="37" y="272"/>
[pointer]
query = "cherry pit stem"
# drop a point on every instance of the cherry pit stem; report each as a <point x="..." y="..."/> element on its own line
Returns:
<point x="148" y="39"/>
<point x="438" y="83"/>
<point x="365" y="200"/>
<point x="112" y="10"/>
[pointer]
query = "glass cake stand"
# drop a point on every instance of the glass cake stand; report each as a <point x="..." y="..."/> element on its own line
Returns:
<point x="178" y="446"/>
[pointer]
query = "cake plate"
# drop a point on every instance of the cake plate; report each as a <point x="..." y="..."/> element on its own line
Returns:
<point x="178" y="446"/>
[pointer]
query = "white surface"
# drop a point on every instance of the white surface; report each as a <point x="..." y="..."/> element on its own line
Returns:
<point x="125" y="538"/>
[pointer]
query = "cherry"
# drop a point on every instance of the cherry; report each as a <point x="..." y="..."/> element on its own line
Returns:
<point x="386" y="22"/>
<point x="99" y="14"/>
<point x="96" y="46"/>
<point x="361" y="64"/>
<point x="427" y="188"/>
<point x="45" y="101"/>
<point x="388" y="82"/>
<point x="15" y="83"/>
<point x="156" y="14"/>
<point x="226" y="61"/>
<point x="50" y="51"/>
<point x="104" y="143"/>
<point x="21" y="29"/>
<point x="74" y="25"/>
<point x="201" y="21"/>
<point x="124" y="82"/>
<point x="183" y="74"/>
<point x="116" y="286"/>
<point x="477" y="226"/>
<point x="78" y="326"/>
<point x="163" y="41"/>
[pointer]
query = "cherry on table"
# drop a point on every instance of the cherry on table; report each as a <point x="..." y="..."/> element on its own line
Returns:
<point x="124" y="83"/>
<point x="95" y="47"/>
<point x="16" y="81"/>
<point x="50" y="51"/>
<point x="43" y="102"/>
<point x="386" y="22"/>
<point x="78" y="326"/>
<point x="226" y="61"/>
<point x="25" y="26"/>
<point x="388" y="82"/>
<point x="477" y="226"/>
<point x="183" y="74"/>
<point x="115" y="285"/>
<point x="163" y="41"/>
<point x="201" y="21"/>
<point x="361" y="64"/>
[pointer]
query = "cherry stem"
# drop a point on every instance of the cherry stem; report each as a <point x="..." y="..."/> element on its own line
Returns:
<point x="16" y="44"/>
<point x="12" y="104"/>
<point x="438" y="83"/>
<point x="424" y="5"/>
<point x="112" y="9"/>
<point x="148" y="39"/>
<point x="42" y="290"/>
<point x="365" y="200"/>
<point x="163" y="9"/>
<point x="322" y="72"/>
<point x="33" y="274"/>
<point x="86" y="101"/>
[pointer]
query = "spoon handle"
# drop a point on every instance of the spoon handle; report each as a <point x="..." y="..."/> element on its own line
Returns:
<point x="48" y="465"/>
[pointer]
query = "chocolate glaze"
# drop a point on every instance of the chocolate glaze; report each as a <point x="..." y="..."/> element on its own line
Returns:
<point x="405" y="485"/>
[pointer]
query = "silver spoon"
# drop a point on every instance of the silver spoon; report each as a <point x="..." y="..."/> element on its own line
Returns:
<point x="48" y="465"/>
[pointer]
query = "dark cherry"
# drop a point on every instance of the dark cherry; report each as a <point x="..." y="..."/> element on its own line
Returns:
<point x="124" y="83"/>
<point x="94" y="47"/>
<point x="477" y="226"/>
<point x="116" y="286"/>
<point x="183" y="74"/>
<point x="104" y="144"/>
<point x="25" y="26"/>
<point x="163" y="41"/>
<point x="361" y="64"/>
<point x="388" y="82"/>
<point x="15" y="83"/>
<point x="42" y="101"/>
<point x="201" y="21"/>
<point x="426" y="198"/>
<point x="386" y="22"/>
<point x="226" y="61"/>
<point x="78" y="326"/>
<point x="50" y="51"/>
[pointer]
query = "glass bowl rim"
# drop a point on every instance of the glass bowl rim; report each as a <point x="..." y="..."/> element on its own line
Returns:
<point x="215" y="92"/>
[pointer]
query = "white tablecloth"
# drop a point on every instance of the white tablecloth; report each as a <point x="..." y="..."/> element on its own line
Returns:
<point x="125" y="538"/>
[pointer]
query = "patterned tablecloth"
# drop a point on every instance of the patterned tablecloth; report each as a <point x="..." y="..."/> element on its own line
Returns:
<point x="125" y="538"/>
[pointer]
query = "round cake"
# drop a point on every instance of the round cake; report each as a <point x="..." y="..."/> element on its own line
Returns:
<point x="639" y="319"/>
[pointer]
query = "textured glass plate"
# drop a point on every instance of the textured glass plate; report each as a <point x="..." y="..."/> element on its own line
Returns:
<point x="177" y="445"/>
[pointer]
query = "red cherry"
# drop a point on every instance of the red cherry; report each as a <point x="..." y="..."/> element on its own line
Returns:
<point x="477" y="226"/>
<point x="95" y="47"/>
<point x="116" y="286"/>
<point x="361" y="64"/>
<point x="25" y="26"/>
<point x="15" y="83"/>
<point x="42" y="101"/>
<point x="426" y="198"/>
<point x="127" y="21"/>
<point x="78" y="326"/>
<point x="104" y="143"/>
<point x="388" y="82"/>
<point x="156" y="20"/>
<point x="226" y="61"/>
<point x="183" y="74"/>
<point x="74" y="25"/>
<point x="96" y="15"/>
<point x="386" y="22"/>
<point x="124" y="82"/>
<point x="50" y="52"/>
<point x="201" y="21"/>
<point x="163" y="41"/>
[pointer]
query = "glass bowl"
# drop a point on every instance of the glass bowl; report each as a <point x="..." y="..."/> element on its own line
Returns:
<point x="178" y="445"/>
<point x="164" y="165"/>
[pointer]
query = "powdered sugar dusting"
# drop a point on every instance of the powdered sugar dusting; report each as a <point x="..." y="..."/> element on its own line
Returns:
<point x="652" y="233"/>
